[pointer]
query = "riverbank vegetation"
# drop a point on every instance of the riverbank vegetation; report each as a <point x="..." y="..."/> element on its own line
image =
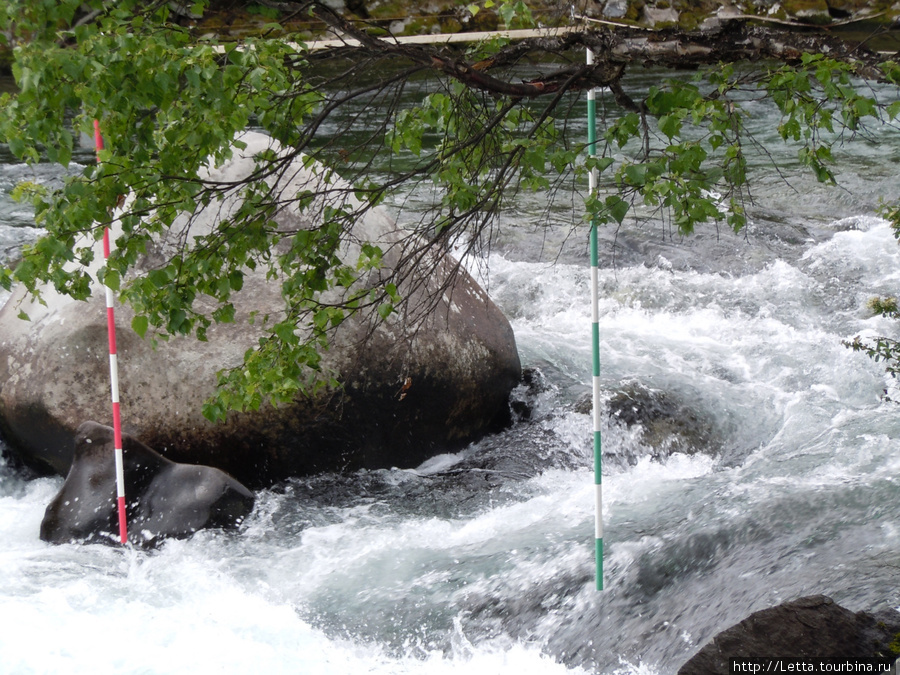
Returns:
<point x="171" y="94"/>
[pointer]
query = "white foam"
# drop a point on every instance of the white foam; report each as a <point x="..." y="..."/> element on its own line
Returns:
<point x="102" y="610"/>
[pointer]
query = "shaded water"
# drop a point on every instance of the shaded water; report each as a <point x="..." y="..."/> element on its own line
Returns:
<point x="483" y="559"/>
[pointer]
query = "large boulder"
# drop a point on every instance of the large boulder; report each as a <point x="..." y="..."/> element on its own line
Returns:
<point x="164" y="499"/>
<point x="410" y="389"/>
<point x="806" y="628"/>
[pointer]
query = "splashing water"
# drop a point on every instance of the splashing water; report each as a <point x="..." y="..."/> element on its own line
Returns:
<point x="483" y="559"/>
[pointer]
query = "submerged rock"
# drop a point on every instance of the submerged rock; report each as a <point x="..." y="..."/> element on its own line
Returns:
<point x="662" y="424"/>
<point x="669" y="424"/>
<point x="409" y="389"/>
<point x="164" y="499"/>
<point x="810" y="627"/>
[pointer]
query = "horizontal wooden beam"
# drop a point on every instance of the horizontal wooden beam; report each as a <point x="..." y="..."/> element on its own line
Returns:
<point x="448" y="38"/>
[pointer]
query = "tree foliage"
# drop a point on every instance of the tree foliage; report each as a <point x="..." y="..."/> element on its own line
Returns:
<point x="171" y="102"/>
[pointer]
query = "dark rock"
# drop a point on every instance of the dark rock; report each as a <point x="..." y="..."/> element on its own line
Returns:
<point x="164" y="499"/>
<point x="521" y="400"/>
<point x="810" y="627"/>
<point x="411" y="387"/>
<point x="667" y="424"/>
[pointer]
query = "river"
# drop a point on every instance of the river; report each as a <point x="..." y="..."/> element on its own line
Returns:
<point x="483" y="560"/>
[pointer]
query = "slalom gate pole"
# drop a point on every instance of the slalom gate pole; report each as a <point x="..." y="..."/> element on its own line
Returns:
<point x="113" y="373"/>
<point x="595" y="339"/>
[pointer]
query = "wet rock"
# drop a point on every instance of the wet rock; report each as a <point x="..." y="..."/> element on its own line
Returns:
<point x="410" y="389"/>
<point x="615" y="9"/>
<point x="808" y="11"/>
<point x="164" y="499"/>
<point x="521" y="399"/>
<point x="810" y="627"/>
<point x="667" y="424"/>
<point x="658" y="16"/>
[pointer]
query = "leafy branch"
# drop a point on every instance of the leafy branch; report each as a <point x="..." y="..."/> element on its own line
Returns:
<point x="172" y="103"/>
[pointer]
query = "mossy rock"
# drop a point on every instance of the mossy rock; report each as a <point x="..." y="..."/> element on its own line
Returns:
<point x="634" y="10"/>
<point x="894" y="645"/>
<point x="689" y="21"/>
<point x="421" y="26"/>
<point x="702" y="8"/>
<point x="450" y="24"/>
<point x="392" y="10"/>
<point x="797" y="6"/>
<point x="779" y="14"/>
<point x="811" y="11"/>
<point x="485" y="20"/>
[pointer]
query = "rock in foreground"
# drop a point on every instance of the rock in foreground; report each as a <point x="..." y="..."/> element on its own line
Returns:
<point x="807" y="628"/>
<point x="409" y="390"/>
<point x="164" y="499"/>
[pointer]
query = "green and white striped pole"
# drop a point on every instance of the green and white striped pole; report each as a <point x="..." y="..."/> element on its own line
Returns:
<point x="595" y="341"/>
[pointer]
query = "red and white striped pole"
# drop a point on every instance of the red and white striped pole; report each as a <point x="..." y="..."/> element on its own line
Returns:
<point x="113" y="373"/>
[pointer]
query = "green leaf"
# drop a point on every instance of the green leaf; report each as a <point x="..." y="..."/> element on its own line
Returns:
<point x="111" y="279"/>
<point x="159" y="278"/>
<point x="16" y="145"/>
<point x="140" y="324"/>
<point x="617" y="208"/>
<point x="670" y="125"/>
<point x="601" y="164"/>
<point x="285" y="331"/>
<point x="893" y="110"/>
<point x="224" y="314"/>
<point x="636" y="174"/>
<point x="214" y="411"/>
<point x="177" y="322"/>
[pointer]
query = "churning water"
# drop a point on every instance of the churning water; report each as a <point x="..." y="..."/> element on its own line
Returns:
<point x="484" y="560"/>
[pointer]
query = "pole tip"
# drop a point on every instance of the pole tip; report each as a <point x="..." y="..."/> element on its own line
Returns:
<point x="599" y="559"/>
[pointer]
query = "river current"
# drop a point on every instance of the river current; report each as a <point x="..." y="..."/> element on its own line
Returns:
<point x="483" y="560"/>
